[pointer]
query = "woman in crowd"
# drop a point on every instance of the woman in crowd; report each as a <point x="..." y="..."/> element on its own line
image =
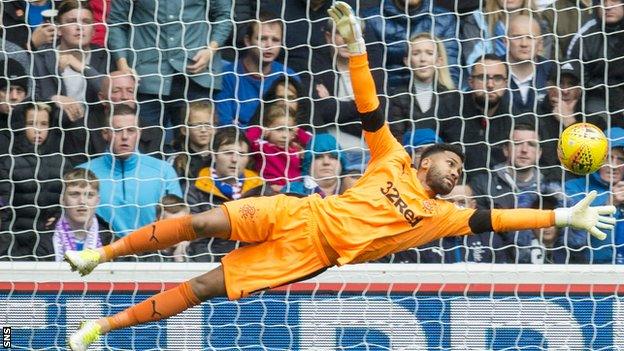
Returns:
<point x="415" y="105"/>
<point x="323" y="164"/>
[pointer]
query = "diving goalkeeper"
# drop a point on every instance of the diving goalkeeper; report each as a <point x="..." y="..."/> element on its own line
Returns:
<point x="392" y="207"/>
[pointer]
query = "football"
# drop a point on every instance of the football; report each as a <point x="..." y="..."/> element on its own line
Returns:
<point x="582" y="148"/>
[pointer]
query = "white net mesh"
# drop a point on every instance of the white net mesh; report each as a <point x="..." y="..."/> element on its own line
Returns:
<point x="230" y="107"/>
<point x="379" y="307"/>
<point x="557" y="65"/>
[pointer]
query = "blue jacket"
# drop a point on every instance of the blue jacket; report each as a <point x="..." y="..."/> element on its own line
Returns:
<point x="603" y="251"/>
<point x="241" y="92"/>
<point x="390" y="30"/>
<point x="130" y="189"/>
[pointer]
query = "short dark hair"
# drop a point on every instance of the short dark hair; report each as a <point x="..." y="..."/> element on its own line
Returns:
<point x="170" y="203"/>
<point x="263" y="17"/>
<point x="491" y="57"/>
<point x="69" y="5"/>
<point x="123" y="109"/>
<point x="81" y="177"/>
<point x="118" y="109"/>
<point x="525" y="126"/>
<point x="545" y="202"/>
<point x="13" y="73"/>
<point x="439" y="148"/>
<point x="228" y="136"/>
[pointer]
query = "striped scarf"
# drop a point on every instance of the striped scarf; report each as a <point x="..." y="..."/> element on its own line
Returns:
<point x="64" y="238"/>
<point x="234" y="191"/>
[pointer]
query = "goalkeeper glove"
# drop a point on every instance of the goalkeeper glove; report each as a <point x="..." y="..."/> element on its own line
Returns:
<point x="583" y="216"/>
<point x="348" y="26"/>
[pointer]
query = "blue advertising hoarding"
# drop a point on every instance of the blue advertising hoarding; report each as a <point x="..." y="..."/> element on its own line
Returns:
<point x="296" y="319"/>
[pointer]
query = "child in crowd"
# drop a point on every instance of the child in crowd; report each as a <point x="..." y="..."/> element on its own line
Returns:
<point x="31" y="183"/>
<point x="288" y="91"/>
<point x="229" y="179"/>
<point x="194" y="141"/>
<point x="173" y="206"/>
<point x="278" y="145"/>
<point x="78" y="228"/>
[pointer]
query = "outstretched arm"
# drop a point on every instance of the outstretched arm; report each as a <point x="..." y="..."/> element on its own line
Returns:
<point x="378" y="137"/>
<point x="580" y="216"/>
<point x="365" y="93"/>
<point x="364" y="89"/>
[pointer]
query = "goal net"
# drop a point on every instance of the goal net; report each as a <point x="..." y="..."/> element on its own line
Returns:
<point x="440" y="74"/>
<point x="362" y="307"/>
<point x="215" y="85"/>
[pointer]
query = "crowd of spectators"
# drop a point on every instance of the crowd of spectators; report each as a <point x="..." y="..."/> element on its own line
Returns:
<point x="116" y="113"/>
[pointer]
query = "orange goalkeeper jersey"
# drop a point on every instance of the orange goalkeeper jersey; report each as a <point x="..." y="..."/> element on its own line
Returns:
<point x="388" y="210"/>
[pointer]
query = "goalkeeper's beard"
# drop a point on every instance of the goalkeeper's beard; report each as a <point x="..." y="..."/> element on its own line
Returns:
<point x="435" y="179"/>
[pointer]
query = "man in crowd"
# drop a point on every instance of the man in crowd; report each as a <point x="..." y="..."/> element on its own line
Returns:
<point x="599" y="45"/>
<point x="173" y="46"/>
<point x="131" y="183"/>
<point x="483" y="119"/>
<point x="516" y="183"/>
<point x="529" y="72"/>
<point x="117" y="88"/>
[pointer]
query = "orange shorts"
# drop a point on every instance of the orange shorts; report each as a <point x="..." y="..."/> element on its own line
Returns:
<point x="286" y="245"/>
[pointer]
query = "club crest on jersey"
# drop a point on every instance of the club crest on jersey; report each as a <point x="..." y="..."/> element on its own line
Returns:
<point x="247" y="212"/>
<point x="429" y="206"/>
<point x="394" y="196"/>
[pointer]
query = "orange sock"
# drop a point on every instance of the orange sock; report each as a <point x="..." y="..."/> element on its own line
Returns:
<point x="156" y="236"/>
<point x="162" y="305"/>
